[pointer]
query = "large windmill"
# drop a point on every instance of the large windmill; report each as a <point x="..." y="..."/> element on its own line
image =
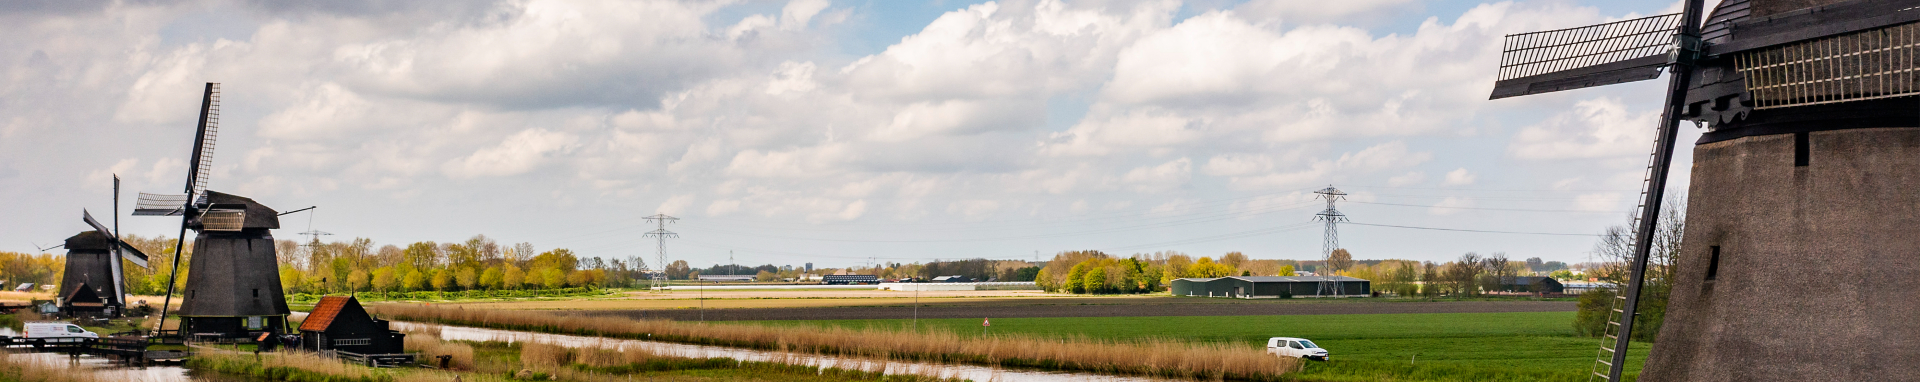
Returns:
<point x="233" y="285"/>
<point x="1802" y="208"/>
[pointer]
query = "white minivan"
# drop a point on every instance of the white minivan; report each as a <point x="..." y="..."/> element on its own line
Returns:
<point x="1295" y="348"/>
<point x="57" y="332"/>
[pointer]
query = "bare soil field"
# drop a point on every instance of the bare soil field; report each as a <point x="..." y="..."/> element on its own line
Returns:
<point x="1094" y="307"/>
<point x="779" y="299"/>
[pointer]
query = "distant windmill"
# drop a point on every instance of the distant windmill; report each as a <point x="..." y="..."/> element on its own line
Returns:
<point x="233" y="289"/>
<point x="92" y="283"/>
<point x="1804" y="177"/>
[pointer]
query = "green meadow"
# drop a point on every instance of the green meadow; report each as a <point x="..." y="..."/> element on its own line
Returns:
<point x="1534" y="346"/>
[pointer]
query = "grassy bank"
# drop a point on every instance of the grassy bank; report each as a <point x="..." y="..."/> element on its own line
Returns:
<point x="1169" y="358"/>
<point x="1366" y="347"/>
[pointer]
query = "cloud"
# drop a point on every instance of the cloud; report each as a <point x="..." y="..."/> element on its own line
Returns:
<point x="1311" y="12"/>
<point x="517" y="154"/>
<point x="1594" y="128"/>
<point x="1165" y="176"/>
<point x="1459" y="177"/>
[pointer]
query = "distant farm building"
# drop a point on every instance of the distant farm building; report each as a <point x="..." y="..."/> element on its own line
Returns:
<point x="726" y="278"/>
<point x="1272" y="287"/>
<point x="339" y="323"/>
<point x="953" y="279"/>
<point x="1531" y="284"/>
<point x="849" y="279"/>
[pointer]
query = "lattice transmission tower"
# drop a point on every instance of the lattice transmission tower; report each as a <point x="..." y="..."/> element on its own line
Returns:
<point x="661" y="233"/>
<point x="1333" y="217"/>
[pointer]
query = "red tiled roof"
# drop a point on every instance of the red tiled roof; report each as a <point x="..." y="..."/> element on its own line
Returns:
<point x="323" y="314"/>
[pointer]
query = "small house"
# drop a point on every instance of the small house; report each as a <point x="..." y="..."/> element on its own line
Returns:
<point x="339" y="323"/>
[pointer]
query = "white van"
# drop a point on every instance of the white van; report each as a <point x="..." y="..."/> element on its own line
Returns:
<point x="57" y="331"/>
<point x="1295" y="348"/>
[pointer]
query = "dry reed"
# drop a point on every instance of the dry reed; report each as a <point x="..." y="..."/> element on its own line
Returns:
<point x="429" y="345"/>
<point x="1163" y="358"/>
<point x="297" y="360"/>
<point x="23" y="369"/>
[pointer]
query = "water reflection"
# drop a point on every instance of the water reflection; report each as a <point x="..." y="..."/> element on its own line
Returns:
<point x="976" y="373"/>
<point x="107" y="369"/>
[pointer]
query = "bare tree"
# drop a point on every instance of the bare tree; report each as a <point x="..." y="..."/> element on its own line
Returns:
<point x="1339" y="260"/>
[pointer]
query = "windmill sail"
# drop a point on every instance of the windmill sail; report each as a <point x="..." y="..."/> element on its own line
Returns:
<point x="1595" y="55"/>
<point x="159" y="205"/>
<point x="126" y="251"/>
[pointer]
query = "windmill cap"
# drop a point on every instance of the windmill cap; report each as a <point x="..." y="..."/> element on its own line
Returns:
<point x="90" y="241"/>
<point x="258" y="216"/>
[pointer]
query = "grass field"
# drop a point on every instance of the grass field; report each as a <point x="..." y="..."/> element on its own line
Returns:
<point x="1365" y="347"/>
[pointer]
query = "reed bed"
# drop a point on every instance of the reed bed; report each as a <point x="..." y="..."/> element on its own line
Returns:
<point x="23" y="369"/>
<point x="1162" y="358"/>
<point x="429" y="345"/>
<point x="285" y="366"/>
<point x="605" y="364"/>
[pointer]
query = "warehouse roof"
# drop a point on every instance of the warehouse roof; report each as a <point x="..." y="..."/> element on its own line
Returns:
<point x="1278" y="279"/>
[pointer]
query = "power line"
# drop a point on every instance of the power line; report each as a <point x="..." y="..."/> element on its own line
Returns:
<point x="1476" y="230"/>
<point x="1485" y="208"/>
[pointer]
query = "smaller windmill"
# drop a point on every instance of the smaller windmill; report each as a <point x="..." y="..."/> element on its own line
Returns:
<point x="92" y="282"/>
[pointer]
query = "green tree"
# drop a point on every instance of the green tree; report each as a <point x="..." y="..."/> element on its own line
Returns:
<point x="561" y="258"/>
<point x="492" y="278"/>
<point x="442" y="280"/>
<point x="1076" y="278"/>
<point x="467" y="278"/>
<point x="415" y="280"/>
<point x="291" y="280"/>
<point x="553" y="278"/>
<point x="383" y="279"/>
<point x="359" y="280"/>
<point x="513" y="277"/>
<point x="421" y="255"/>
<point x="1286" y="270"/>
<point x="1096" y="280"/>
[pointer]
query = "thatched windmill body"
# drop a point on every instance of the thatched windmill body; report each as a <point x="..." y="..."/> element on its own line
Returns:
<point x="93" y="282"/>
<point x="233" y="282"/>
<point x="1802" y="219"/>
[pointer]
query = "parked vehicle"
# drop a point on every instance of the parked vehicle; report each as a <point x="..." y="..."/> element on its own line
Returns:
<point x="1295" y="348"/>
<point x="55" y="331"/>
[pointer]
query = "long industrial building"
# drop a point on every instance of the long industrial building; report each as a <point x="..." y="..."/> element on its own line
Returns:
<point x="1272" y="287"/>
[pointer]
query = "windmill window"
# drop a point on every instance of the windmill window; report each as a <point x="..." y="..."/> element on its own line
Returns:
<point x="1713" y="263"/>
<point x="1800" y="149"/>
<point x="256" y="293"/>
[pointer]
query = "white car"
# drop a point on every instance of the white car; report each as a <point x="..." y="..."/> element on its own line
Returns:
<point x="1295" y="348"/>
<point x="57" y="332"/>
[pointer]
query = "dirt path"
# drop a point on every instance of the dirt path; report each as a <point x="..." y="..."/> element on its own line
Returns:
<point x="1200" y="308"/>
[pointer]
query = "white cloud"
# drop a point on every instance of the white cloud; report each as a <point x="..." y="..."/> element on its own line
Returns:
<point x="1594" y="128"/>
<point x="1161" y="177"/>
<point x="1459" y="177"/>
<point x="517" y="154"/>
<point x="1407" y="179"/>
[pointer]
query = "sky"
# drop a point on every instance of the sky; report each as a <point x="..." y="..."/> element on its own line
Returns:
<point x="837" y="133"/>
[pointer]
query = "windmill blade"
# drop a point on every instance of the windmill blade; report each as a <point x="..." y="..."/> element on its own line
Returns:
<point x="159" y="205"/>
<point x="88" y="217"/>
<point x="209" y="130"/>
<point x="1595" y="55"/>
<point x="133" y="254"/>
